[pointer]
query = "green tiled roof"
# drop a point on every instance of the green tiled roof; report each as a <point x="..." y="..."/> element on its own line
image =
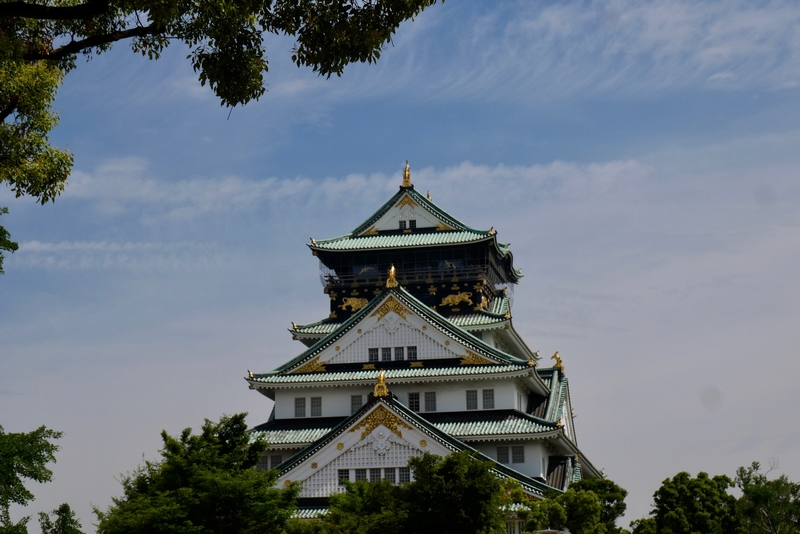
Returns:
<point x="511" y="425"/>
<point x="391" y="374"/>
<point x="300" y="436"/>
<point x="493" y="315"/>
<point x="309" y="513"/>
<point x="436" y="320"/>
<point x="421" y="239"/>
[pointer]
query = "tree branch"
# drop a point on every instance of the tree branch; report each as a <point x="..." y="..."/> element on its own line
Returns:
<point x="95" y="40"/>
<point x="90" y="9"/>
<point x="9" y="109"/>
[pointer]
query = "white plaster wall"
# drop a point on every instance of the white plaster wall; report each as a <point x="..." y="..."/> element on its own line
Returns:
<point x="335" y="401"/>
<point x="534" y="452"/>
<point x="391" y="219"/>
<point x="450" y="396"/>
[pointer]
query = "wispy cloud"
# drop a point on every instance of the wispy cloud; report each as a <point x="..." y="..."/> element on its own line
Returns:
<point x="536" y="52"/>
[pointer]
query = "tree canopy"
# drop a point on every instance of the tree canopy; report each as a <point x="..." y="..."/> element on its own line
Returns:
<point x="454" y="494"/>
<point x="23" y="455"/>
<point x="40" y="42"/>
<point x="767" y="506"/>
<point x="204" y="483"/>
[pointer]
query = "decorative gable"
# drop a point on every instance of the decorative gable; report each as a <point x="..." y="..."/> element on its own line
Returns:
<point x="380" y="439"/>
<point x="392" y="325"/>
<point x="401" y="215"/>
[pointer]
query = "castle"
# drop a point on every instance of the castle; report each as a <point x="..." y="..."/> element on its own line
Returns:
<point x="418" y="354"/>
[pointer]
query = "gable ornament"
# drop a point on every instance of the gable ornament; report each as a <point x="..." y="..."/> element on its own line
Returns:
<point x="381" y="416"/>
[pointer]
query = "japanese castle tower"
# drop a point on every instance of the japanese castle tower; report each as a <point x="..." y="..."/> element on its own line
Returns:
<point x="418" y="354"/>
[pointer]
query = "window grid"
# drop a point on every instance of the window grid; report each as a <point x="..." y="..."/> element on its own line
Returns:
<point x="412" y="223"/>
<point x="275" y="460"/>
<point x="502" y="455"/>
<point x="404" y="475"/>
<point x="411" y="353"/>
<point x="517" y="454"/>
<point x="374" y="474"/>
<point x="386" y="354"/>
<point x="413" y="402"/>
<point x="300" y="407"/>
<point x="356" y="401"/>
<point x="361" y="474"/>
<point x="399" y="353"/>
<point x="488" y="399"/>
<point x="316" y="406"/>
<point x="344" y="475"/>
<point x="402" y="225"/>
<point x="472" y="399"/>
<point x="430" y="401"/>
<point x="373" y="355"/>
<point x="388" y="474"/>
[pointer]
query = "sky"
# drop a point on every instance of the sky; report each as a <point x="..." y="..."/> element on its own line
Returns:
<point x="641" y="157"/>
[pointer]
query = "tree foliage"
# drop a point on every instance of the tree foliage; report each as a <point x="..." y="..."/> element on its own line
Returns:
<point x="454" y="494"/>
<point x="40" y="42"/>
<point x="591" y="506"/>
<point x="457" y="493"/>
<point x="611" y="496"/>
<point x="23" y="456"/>
<point x="204" y="483"/>
<point x="767" y="506"/>
<point x="5" y="242"/>
<point x="63" y="522"/>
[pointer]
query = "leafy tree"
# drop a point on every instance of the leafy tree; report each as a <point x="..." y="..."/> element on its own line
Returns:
<point x="767" y="506"/>
<point x="5" y="243"/>
<point x="204" y="483"/>
<point x="454" y="494"/>
<point x="612" y="499"/>
<point x="23" y="456"/>
<point x="645" y="525"/>
<point x="545" y="514"/>
<point x="65" y="522"/>
<point x="40" y="41"/>
<point x="702" y="505"/>
<point x="368" y="508"/>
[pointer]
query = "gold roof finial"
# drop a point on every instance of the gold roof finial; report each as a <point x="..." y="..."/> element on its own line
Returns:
<point x="559" y="364"/>
<point x="407" y="176"/>
<point x="249" y="373"/>
<point x="380" y="388"/>
<point x="392" y="280"/>
<point x="429" y="196"/>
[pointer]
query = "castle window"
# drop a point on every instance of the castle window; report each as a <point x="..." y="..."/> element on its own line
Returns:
<point x="356" y="401"/>
<point x="430" y="401"/>
<point x="386" y="354"/>
<point x="402" y="225"/>
<point x="373" y="355"/>
<point x="316" y="406"/>
<point x="517" y="454"/>
<point x="502" y="455"/>
<point x="405" y="474"/>
<point x="399" y="353"/>
<point x="300" y="407"/>
<point x="275" y="460"/>
<point x="361" y="474"/>
<point x="472" y="399"/>
<point x="375" y="474"/>
<point x="412" y="223"/>
<point x="388" y="474"/>
<point x="488" y="399"/>
<point x="413" y="402"/>
<point x="344" y="475"/>
<point x="411" y="353"/>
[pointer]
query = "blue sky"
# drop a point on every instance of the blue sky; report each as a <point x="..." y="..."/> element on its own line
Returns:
<point x="641" y="157"/>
